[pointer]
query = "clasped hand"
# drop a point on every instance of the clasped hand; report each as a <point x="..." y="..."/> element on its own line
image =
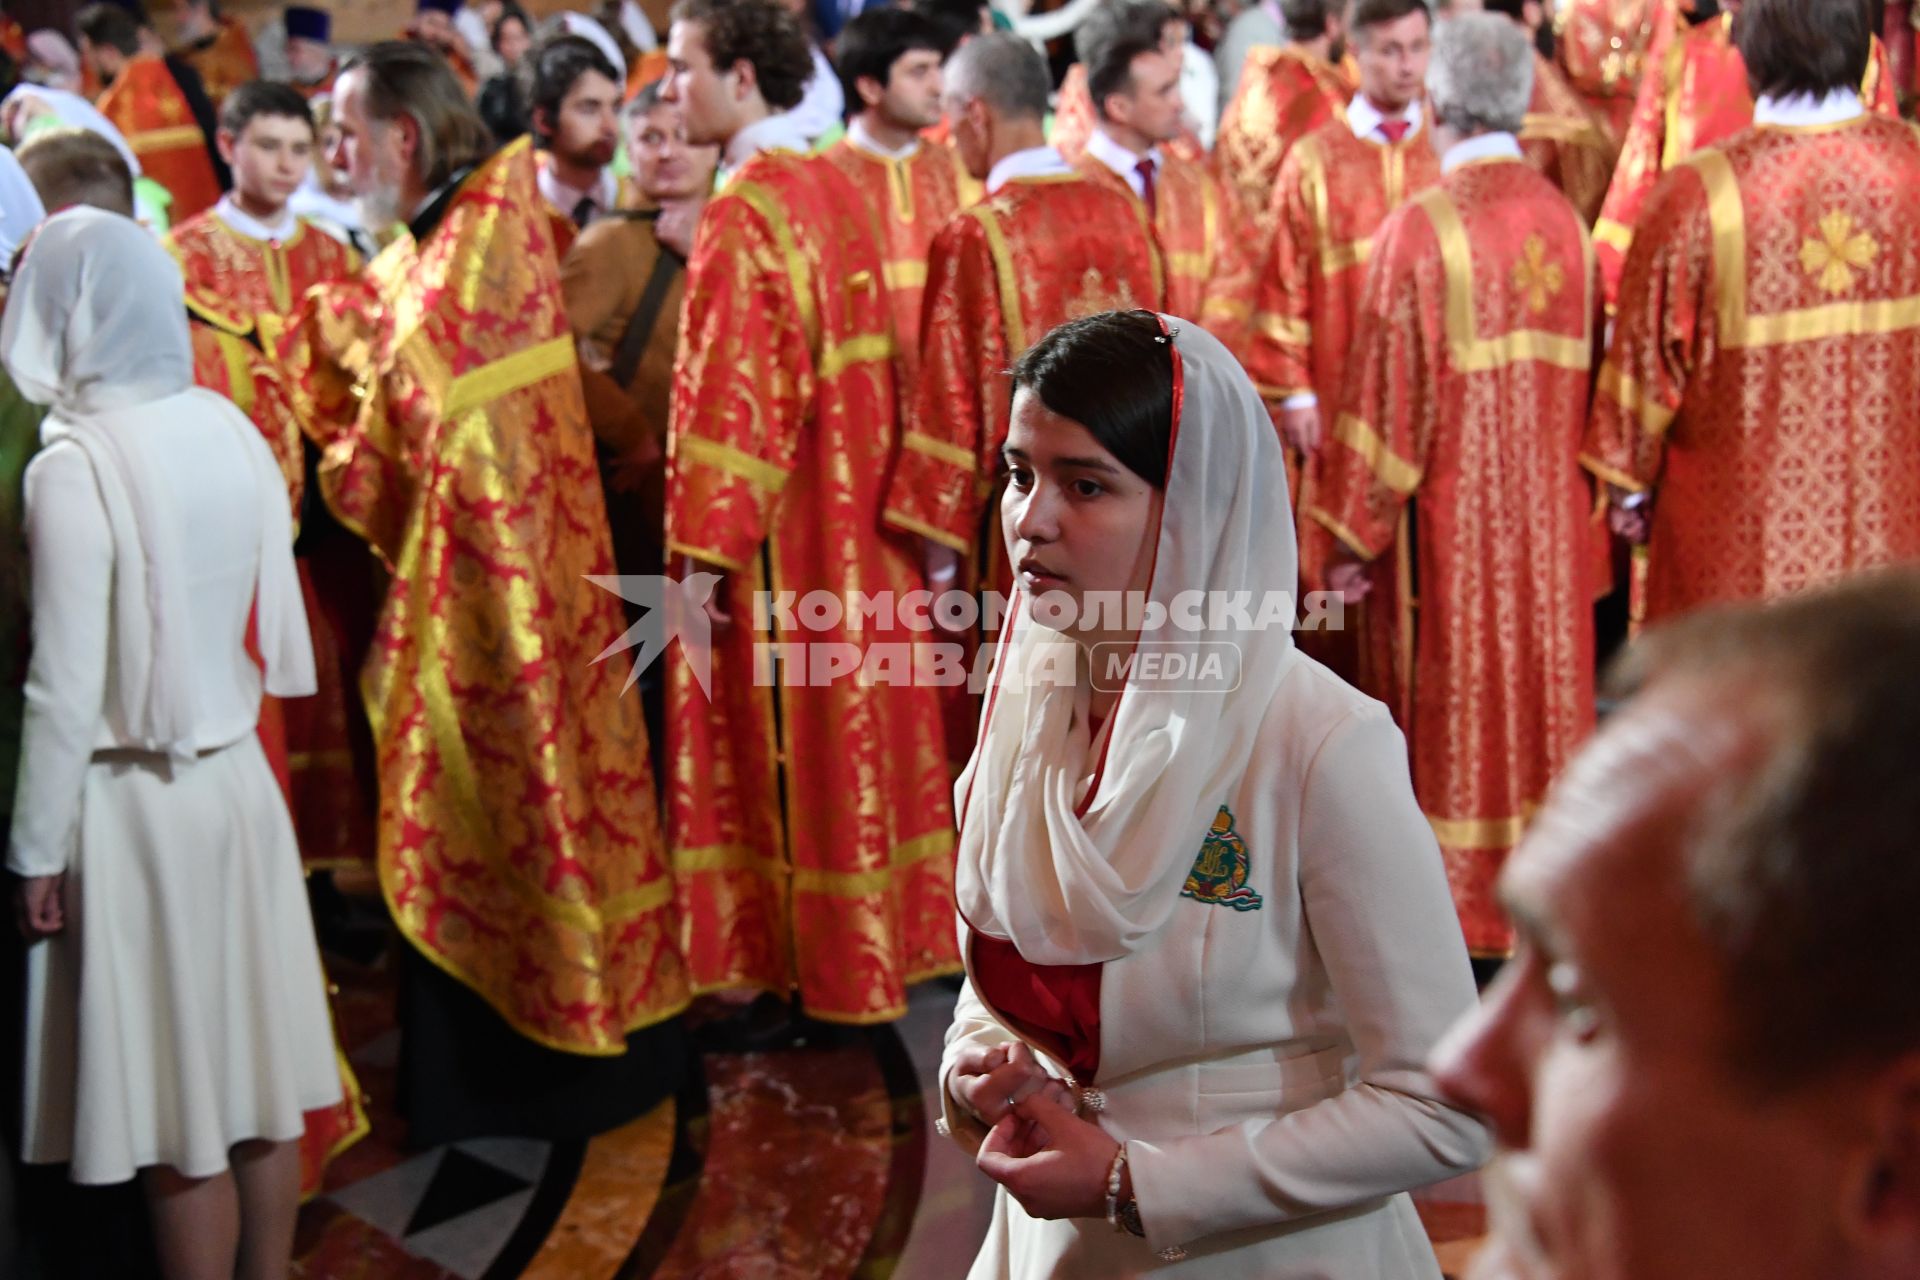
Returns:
<point x="1049" y="1159"/>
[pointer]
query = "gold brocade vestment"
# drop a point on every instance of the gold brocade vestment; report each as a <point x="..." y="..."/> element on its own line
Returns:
<point x="519" y="839"/>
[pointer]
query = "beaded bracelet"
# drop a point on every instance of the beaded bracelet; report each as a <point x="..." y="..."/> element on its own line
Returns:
<point x="1113" y="1188"/>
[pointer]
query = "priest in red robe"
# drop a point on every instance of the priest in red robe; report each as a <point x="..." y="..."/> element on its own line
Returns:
<point x="1457" y="445"/>
<point x="1695" y="94"/>
<point x="1285" y="93"/>
<point x="519" y="842"/>
<point x="157" y="104"/>
<point x="1758" y="415"/>
<point x="890" y="59"/>
<point x="1046" y="245"/>
<point x="810" y="817"/>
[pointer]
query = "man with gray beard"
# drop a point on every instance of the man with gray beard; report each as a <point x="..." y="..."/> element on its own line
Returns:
<point x="519" y="840"/>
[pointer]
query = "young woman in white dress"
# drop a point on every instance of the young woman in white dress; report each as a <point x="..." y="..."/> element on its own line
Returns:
<point x="1208" y="932"/>
<point x="176" y="1022"/>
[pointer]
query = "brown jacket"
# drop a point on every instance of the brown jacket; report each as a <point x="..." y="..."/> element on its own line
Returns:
<point x="604" y="278"/>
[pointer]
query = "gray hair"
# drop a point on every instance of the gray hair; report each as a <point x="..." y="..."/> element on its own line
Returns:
<point x="1002" y="70"/>
<point x="1481" y="76"/>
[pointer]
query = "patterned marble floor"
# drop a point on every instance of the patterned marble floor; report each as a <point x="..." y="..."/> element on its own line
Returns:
<point x="806" y="1163"/>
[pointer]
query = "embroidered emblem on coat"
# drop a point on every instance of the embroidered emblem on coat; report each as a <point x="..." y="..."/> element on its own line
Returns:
<point x="1219" y="875"/>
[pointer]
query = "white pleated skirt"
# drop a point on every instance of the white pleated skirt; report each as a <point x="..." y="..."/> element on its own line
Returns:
<point x="183" y="1009"/>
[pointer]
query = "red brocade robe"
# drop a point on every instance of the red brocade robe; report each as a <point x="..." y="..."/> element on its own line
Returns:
<point x="911" y="199"/>
<point x="1334" y="192"/>
<point x="519" y="845"/>
<point x="1284" y="94"/>
<point x="1459" y="434"/>
<point x="1603" y="45"/>
<point x="1035" y="254"/>
<point x="1206" y="257"/>
<point x="225" y="62"/>
<point x="242" y="285"/>
<point x="811" y="818"/>
<point x="145" y="104"/>
<point x="1764" y="379"/>
<point x="1694" y="94"/>
<point x="1564" y="140"/>
<point x="242" y="293"/>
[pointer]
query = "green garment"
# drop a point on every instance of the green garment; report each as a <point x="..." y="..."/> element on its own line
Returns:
<point x="19" y="441"/>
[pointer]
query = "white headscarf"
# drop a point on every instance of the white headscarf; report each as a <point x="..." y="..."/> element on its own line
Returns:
<point x="579" y="24"/>
<point x="96" y="328"/>
<point x="1070" y="878"/>
<point x="76" y="112"/>
<point x="20" y="207"/>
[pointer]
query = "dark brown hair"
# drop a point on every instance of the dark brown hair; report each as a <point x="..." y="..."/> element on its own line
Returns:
<point x="110" y="25"/>
<point x="1113" y="374"/>
<point x="1111" y="37"/>
<point x="761" y="33"/>
<point x="1804" y="46"/>
<point x="550" y="70"/>
<point x="1307" y="19"/>
<point x="1371" y="13"/>
<point x="1804" y="871"/>
<point x="408" y="79"/>
<point x="263" y="98"/>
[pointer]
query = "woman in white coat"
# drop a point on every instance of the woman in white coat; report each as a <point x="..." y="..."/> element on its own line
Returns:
<point x="1208" y="932"/>
<point x="176" y="1016"/>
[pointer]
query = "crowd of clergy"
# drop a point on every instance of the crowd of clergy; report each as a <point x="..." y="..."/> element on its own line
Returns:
<point x="1571" y="317"/>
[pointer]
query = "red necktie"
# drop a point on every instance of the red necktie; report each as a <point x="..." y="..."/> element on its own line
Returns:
<point x="1145" y="170"/>
<point x="1395" y="129"/>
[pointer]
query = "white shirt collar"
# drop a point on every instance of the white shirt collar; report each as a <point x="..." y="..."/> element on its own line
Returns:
<point x="1365" y="118"/>
<point x="1034" y="162"/>
<point x="1122" y="161"/>
<point x="1485" y="146"/>
<point x="1802" y="109"/>
<point x="229" y="212"/>
<point x="604" y="193"/>
<point x="774" y="132"/>
<point x="858" y="134"/>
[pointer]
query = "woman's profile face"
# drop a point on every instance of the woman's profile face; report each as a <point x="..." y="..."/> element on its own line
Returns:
<point x="1075" y="519"/>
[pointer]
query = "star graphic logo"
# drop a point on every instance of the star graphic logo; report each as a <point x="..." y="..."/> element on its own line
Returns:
<point x="674" y="609"/>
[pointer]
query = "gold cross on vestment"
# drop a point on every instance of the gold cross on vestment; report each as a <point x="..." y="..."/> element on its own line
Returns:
<point x="1540" y="280"/>
<point x="1837" y="252"/>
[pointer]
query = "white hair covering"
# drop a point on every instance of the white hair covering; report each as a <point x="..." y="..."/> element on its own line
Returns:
<point x="1074" y="870"/>
<point x="75" y="111"/>
<point x="96" y="328"/>
<point x="20" y="207"/>
<point x="579" y="24"/>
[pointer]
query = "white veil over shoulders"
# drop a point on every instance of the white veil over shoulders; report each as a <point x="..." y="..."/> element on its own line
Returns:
<point x="96" y="328"/>
<point x="1074" y="870"/>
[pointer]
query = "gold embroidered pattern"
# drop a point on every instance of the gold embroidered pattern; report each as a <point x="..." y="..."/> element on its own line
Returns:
<point x="1837" y="252"/>
<point x="1539" y="280"/>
